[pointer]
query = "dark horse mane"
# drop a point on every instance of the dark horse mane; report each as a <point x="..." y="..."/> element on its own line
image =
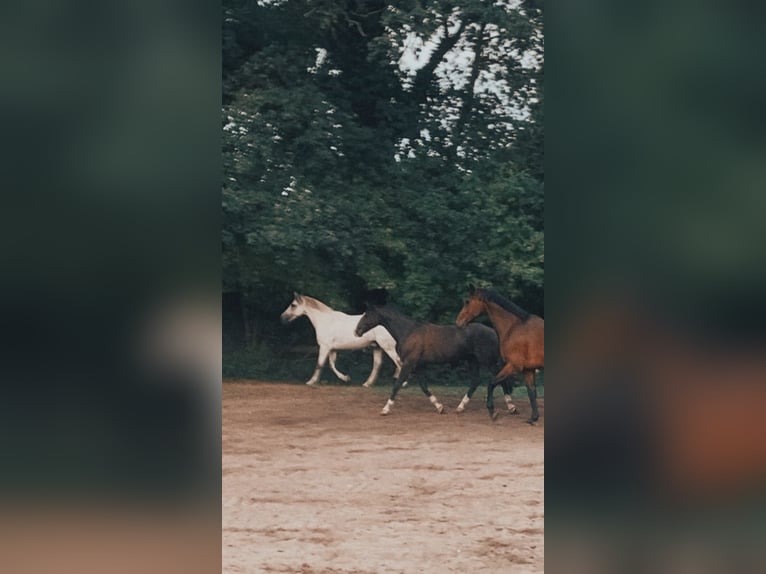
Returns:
<point x="498" y="299"/>
<point x="396" y="312"/>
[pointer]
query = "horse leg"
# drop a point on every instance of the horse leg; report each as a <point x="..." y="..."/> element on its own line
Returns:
<point x="391" y="352"/>
<point x="323" y="353"/>
<point x="507" y="390"/>
<point x="406" y="370"/>
<point x="332" y="356"/>
<point x="529" y="380"/>
<point x="491" y="400"/>
<point x="377" y="361"/>
<point x="506" y="372"/>
<point x="431" y="397"/>
<point x="473" y="368"/>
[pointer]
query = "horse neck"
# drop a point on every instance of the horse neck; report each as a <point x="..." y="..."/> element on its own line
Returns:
<point x="399" y="326"/>
<point x="500" y="318"/>
<point x="314" y="315"/>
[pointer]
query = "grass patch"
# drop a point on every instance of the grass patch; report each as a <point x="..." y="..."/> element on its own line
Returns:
<point x="265" y="363"/>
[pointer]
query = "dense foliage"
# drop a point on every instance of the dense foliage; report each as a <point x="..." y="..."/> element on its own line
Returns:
<point x="371" y="144"/>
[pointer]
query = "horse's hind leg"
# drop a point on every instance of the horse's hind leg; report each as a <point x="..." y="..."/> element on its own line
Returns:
<point x="377" y="360"/>
<point x="507" y="390"/>
<point x="529" y="380"/>
<point x="345" y="378"/>
<point x="505" y="373"/>
<point x="431" y="397"/>
<point x="491" y="400"/>
<point x="321" y="359"/>
<point x="473" y="368"/>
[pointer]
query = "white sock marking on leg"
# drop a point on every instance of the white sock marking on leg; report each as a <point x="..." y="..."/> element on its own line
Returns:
<point x="436" y="403"/>
<point x="387" y="408"/>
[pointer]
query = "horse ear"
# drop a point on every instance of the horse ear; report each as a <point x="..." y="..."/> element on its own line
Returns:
<point x="297" y="297"/>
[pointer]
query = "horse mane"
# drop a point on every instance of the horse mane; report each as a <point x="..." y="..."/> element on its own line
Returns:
<point x="315" y="303"/>
<point x="506" y="304"/>
<point x="394" y="311"/>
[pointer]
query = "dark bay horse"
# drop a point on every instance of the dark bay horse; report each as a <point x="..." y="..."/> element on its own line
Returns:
<point x="419" y="343"/>
<point x="522" y="340"/>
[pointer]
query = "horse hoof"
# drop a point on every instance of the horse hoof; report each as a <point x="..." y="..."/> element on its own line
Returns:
<point x="367" y="385"/>
<point x="440" y="409"/>
<point x="459" y="410"/>
<point x="513" y="410"/>
<point x="532" y="422"/>
<point x="493" y="415"/>
<point x="310" y="384"/>
<point x="383" y="413"/>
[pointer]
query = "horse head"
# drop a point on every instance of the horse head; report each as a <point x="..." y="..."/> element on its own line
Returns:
<point x="472" y="308"/>
<point x="294" y="310"/>
<point x="370" y="319"/>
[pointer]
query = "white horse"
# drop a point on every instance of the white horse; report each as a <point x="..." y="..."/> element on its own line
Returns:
<point x="335" y="331"/>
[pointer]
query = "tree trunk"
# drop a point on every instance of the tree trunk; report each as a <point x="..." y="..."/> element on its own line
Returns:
<point x="247" y="322"/>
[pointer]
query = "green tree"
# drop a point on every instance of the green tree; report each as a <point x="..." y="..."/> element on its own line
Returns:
<point x="382" y="144"/>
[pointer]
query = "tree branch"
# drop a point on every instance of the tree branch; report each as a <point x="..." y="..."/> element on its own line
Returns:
<point x="468" y="97"/>
<point x="424" y="76"/>
<point x="357" y="24"/>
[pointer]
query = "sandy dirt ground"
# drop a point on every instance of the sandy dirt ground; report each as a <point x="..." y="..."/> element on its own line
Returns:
<point x="315" y="481"/>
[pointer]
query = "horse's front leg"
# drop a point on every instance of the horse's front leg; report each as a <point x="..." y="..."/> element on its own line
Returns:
<point x="321" y="359"/>
<point x="529" y="380"/>
<point x="391" y="352"/>
<point x="377" y="361"/>
<point x="406" y="371"/>
<point x="491" y="400"/>
<point x="332" y="356"/>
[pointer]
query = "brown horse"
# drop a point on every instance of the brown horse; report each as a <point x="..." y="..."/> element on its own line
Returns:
<point x="522" y="341"/>
<point x="422" y="343"/>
